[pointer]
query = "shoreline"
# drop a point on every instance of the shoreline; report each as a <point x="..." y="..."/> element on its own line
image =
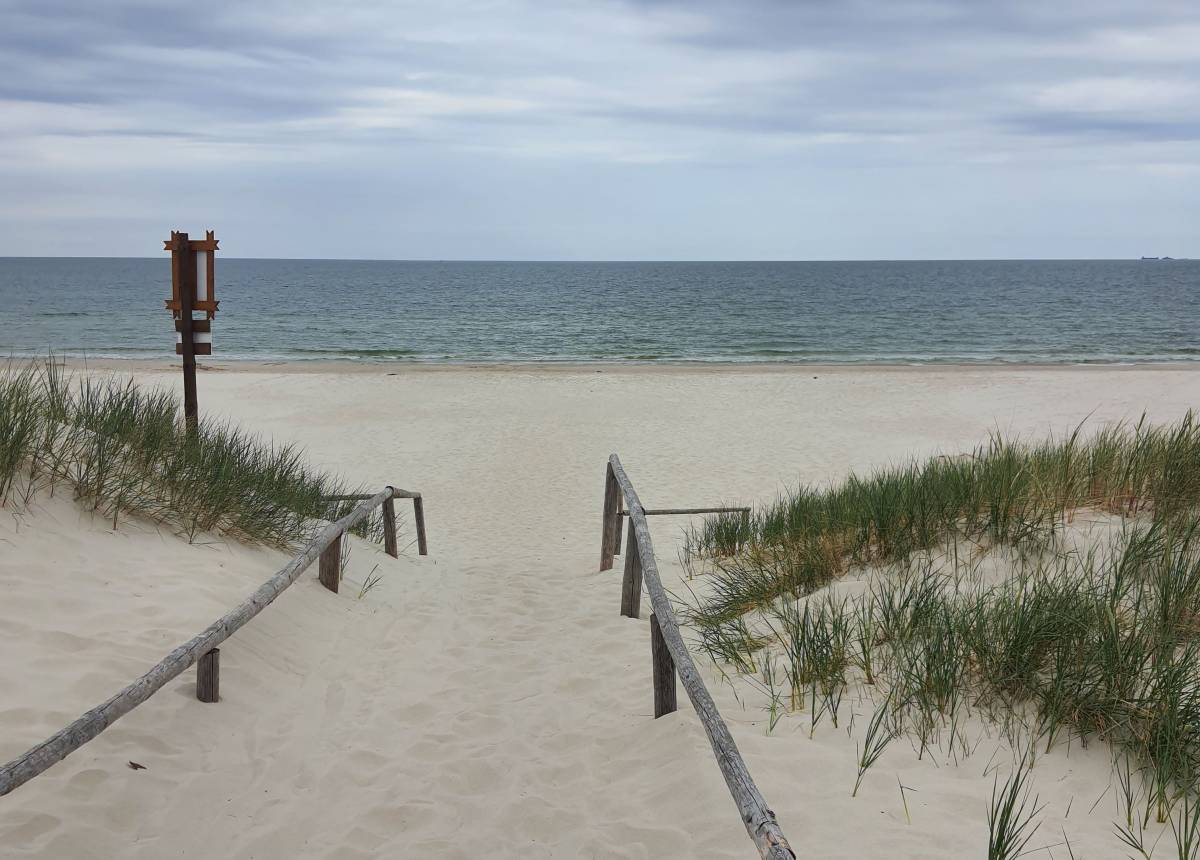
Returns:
<point x="352" y="366"/>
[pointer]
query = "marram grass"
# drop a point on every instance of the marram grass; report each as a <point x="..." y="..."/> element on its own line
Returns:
<point x="121" y="450"/>
<point x="1005" y="492"/>
<point x="1077" y="644"/>
<point x="1076" y="647"/>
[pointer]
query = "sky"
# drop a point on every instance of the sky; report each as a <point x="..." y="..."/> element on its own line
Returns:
<point x="642" y="129"/>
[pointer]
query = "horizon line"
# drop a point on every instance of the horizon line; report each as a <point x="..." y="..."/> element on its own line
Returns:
<point x="616" y="260"/>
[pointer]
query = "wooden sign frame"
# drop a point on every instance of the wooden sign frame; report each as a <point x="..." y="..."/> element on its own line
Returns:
<point x="208" y="246"/>
<point x="183" y="303"/>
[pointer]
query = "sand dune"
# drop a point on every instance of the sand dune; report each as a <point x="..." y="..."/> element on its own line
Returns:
<point x="489" y="698"/>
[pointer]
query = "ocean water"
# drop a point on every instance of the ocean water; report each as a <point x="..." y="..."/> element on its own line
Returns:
<point x="1091" y="311"/>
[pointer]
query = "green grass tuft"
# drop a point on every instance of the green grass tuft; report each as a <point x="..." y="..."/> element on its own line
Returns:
<point x="122" y="450"/>
<point x="1004" y="493"/>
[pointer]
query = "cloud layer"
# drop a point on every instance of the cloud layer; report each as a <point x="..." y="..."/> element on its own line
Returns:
<point x="596" y="129"/>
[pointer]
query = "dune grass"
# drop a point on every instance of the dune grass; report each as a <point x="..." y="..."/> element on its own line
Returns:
<point x="1005" y="492"/>
<point x="1012" y="816"/>
<point x="122" y="450"/>
<point x="1074" y="647"/>
<point x="1079" y="639"/>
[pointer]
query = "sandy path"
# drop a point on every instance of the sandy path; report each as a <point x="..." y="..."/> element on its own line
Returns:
<point x="490" y="698"/>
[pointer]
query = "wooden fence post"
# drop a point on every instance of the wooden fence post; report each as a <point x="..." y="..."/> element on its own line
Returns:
<point x="208" y="676"/>
<point x="610" y="526"/>
<point x="631" y="586"/>
<point x="389" y="527"/>
<point x="330" y="570"/>
<point x="419" y="517"/>
<point x="664" y="671"/>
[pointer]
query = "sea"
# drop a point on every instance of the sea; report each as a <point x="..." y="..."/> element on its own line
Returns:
<point x="918" y="312"/>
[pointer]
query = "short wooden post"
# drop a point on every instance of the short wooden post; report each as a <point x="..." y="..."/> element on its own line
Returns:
<point x="419" y="517"/>
<point x="612" y="501"/>
<point x="208" y="676"/>
<point x="389" y="528"/>
<point x="617" y="531"/>
<point x="330" y="571"/>
<point x="664" y="671"/>
<point x="631" y="586"/>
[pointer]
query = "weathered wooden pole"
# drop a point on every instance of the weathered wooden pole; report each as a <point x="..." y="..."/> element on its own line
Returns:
<point x="330" y="570"/>
<point x="208" y="676"/>
<point x="658" y="512"/>
<point x="631" y="586"/>
<point x="419" y="517"/>
<point x="670" y="657"/>
<point x="389" y="528"/>
<point x="664" y="671"/>
<point x="612" y="517"/>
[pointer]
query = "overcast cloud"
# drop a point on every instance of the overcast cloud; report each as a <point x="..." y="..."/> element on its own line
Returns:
<point x="602" y="130"/>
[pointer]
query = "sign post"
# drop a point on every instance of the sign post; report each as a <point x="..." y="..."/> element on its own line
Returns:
<point x="192" y="289"/>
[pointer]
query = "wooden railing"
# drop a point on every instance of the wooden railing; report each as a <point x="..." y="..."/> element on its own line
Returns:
<point x="669" y="655"/>
<point x="615" y="549"/>
<point x="389" y="521"/>
<point x="202" y="649"/>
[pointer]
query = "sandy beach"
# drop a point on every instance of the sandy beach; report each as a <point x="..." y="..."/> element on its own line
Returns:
<point x="322" y="323"/>
<point x="489" y="698"/>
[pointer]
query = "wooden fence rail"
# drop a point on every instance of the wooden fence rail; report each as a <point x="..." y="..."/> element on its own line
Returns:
<point x="658" y="512"/>
<point x="201" y="648"/>
<point x="670" y="656"/>
<point x="389" y="518"/>
<point x="671" y="512"/>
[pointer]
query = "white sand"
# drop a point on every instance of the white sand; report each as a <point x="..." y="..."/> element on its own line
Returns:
<point x="489" y="699"/>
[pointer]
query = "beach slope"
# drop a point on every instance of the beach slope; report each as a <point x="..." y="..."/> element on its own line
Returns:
<point x="489" y="697"/>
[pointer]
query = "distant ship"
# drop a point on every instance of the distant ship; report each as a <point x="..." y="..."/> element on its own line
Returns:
<point x="1160" y="259"/>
